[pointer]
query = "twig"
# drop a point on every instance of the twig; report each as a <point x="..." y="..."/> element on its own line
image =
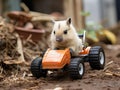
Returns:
<point x="19" y="48"/>
<point x="107" y="65"/>
<point x="26" y="9"/>
<point x="115" y="74"/>
<point x="29" y="37"/>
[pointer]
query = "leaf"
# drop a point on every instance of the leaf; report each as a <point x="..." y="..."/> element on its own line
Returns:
<point x="110" y="36"/>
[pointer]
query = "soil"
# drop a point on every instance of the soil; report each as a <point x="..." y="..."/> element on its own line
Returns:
<point x="107" y="79"/>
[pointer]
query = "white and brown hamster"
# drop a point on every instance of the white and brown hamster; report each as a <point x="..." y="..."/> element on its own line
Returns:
<point x="64" y="36"/>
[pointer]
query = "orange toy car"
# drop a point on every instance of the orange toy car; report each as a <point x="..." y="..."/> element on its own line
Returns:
<point x="61" y="59"/>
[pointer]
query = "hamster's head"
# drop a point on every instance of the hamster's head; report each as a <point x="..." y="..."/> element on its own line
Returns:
<point x="61" y="32"/>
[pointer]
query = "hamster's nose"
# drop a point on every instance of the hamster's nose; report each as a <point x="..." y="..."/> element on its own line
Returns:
<point x="59" y="39"/>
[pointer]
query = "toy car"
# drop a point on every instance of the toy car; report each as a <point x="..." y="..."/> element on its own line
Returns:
<point x="63" y="59"/>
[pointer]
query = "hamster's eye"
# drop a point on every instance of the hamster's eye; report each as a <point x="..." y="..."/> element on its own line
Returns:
<point x="65" y="32"/>
<point x="54" y="32"/>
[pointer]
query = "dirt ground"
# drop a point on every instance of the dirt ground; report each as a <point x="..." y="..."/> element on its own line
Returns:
<point x="107" y="79"/>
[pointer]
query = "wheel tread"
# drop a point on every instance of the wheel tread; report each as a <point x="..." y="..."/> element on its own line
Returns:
<point x="73" y="68"/>
<point x="94" y="57"/>
<point x="36" y="69"/>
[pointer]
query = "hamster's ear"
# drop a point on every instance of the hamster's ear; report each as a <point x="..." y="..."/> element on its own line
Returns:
<point x="69" y="21"/>
<point x="52" y="20"/>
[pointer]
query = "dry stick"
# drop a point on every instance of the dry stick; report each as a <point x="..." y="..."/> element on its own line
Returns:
<point x="19" y="48"/>
<point x="23" y="5"/>
<point x="112" y="74"/>
<point x="28" y="38"/>
<point x="24" y="74"/>
<point x="32" y="42"/>
<point x="115" y="74"/>
<point x="1" y="70"/>
<point x="109" y="74"/>
<point x="10" y="42"/>
<point x="109" y="63"/>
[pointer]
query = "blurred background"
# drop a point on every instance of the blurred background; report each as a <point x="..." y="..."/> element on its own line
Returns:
<point x="25" y="30"/>
<point x="107" y="11"/>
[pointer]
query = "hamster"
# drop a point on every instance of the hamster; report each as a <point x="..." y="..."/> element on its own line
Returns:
<point x="64" y="36"/>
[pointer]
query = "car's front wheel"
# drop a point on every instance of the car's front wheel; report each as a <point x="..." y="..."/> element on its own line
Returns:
<point x="76" y="68"/>
<point x="36" y="68"/>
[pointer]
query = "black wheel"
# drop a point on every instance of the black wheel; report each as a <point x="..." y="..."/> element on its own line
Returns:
<point x="76" y="68"/>
<point x="36" y="68"/>
<point x="97" y="58"/>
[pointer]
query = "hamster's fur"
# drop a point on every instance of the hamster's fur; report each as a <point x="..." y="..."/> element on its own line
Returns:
<point x="64" y="36"/>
